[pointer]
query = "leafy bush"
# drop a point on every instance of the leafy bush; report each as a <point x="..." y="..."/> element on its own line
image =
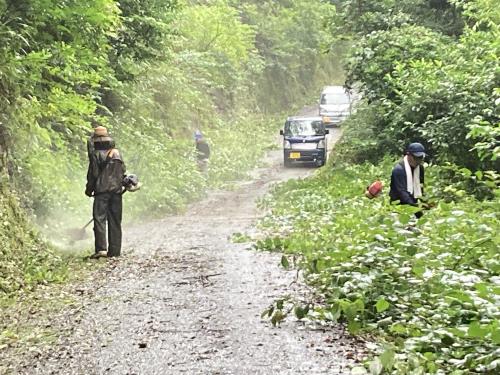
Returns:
<point x="374" y="58"/>
<point x="366" y="16"/>
<point x="422" y="85"/>
<point x="360" y="141"/>
<point x="152" y="71"/>
<point x="25" y="260"/>
<point x="428" y="287"/>
<point x="373" y="62"/>
<point x="147" y="71"/>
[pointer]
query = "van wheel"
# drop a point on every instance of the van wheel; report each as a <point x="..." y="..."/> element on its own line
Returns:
<point x="320" y="163"/>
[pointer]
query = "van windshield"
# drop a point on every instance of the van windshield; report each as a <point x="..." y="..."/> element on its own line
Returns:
<point x="335" y="98"/>
<point x="304" y="128"/>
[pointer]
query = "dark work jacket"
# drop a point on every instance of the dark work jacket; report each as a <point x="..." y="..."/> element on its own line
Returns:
<point x="202" y="150"/>
<point x="106" y="172"/>
<point x="398" y="190"/>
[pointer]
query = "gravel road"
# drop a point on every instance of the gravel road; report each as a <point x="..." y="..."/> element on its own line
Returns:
<point x="184" y="299"/>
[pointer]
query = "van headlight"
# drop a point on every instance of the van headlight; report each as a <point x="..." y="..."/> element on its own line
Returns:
<point x="286" y="145"/>
<point x="321" y="144"/>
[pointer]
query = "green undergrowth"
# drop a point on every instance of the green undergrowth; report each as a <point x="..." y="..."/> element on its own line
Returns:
<point x="169" y="173"/>
<point x="27" y="266"/>
<point x="25" y="260"/>
<point x="170" y="180"/>
<point x="167" y="169"/>
<point x="32" y="275"/>
<point x="28" y="315"/>
<point x="31" y="268"/>
<point x="429" y="289"/>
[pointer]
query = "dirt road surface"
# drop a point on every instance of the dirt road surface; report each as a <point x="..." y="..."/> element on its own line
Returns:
<point x="184" y="299"/>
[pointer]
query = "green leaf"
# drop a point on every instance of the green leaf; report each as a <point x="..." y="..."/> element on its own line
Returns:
<point x="284" y="262"/>
<point x="277" y="318"/>
<point x="301" y="312"/>
<point x="354" y="327"/>
<point x="418" y="270"/>
<point x="466" y="172"/>
<point x="495" y="336"/>
<point x="387" y="359"/>
<point x="382" y="305"/>
<point x="475" y="330"/>
<point x="279" y="304"/>
<point x="398" y="328"/>
<point x="404" y="218"/>
<point x="411" y="250"/>
<point x="270" y="311"/>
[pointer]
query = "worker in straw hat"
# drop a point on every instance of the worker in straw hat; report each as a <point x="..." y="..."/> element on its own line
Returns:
<point x="105" y="175"/>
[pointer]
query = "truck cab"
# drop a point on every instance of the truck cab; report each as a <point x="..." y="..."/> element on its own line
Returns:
<point x="304" y="140"/>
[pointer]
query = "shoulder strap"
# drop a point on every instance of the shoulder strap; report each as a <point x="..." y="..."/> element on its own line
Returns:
<point x="102" y="164"/>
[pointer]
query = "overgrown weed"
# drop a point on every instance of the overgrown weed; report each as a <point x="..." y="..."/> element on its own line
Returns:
<point x="428" y="287"/>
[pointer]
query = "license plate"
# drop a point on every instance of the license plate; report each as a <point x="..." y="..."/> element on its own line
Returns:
<point x="294" y="155"/>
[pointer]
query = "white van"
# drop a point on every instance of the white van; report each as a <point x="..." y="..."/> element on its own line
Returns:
<point x="334" y="105"/>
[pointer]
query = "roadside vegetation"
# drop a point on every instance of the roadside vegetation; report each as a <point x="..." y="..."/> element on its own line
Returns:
<point x="427" y="291"/>
<point x="152" y="72"/>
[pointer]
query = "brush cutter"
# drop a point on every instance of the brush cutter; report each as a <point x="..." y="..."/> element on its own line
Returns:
<point x="78" y="234"/>
<point x="131" y="184"/>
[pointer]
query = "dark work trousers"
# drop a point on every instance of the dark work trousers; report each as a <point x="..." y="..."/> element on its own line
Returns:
<point x="108" y="208"/>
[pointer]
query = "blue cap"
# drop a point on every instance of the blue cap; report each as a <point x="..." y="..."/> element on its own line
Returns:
<point x="416" y="149"/>
<point x="198" y="135"/>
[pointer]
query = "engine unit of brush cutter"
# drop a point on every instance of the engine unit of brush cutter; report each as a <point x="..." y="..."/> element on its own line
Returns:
<point x="131" y="183"/>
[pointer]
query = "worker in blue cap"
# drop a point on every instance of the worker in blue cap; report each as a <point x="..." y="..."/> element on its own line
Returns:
<point x="407" y="178"/>
<point x="202" y="151"/>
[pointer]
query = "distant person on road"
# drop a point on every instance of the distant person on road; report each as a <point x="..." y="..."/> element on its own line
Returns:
<point x="104" y="182"/>
<point x="202" y="151"/>
<point x="407" y="178"/>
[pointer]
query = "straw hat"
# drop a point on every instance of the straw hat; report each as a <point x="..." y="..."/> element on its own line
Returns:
<point x="100" y="131"/>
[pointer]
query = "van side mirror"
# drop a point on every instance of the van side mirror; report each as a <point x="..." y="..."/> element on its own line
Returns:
<point x="327" y="131"/>
<point x="281" y="132"/>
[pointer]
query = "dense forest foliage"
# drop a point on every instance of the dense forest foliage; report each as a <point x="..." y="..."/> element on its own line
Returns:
<point x="152" y="71"/>
<point x="429" y="80"/>
<point x="426" y="289"/>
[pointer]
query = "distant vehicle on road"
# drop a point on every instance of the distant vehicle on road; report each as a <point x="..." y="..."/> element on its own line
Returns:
<point x="304" y="140"/>
<point x="334" y="105"/>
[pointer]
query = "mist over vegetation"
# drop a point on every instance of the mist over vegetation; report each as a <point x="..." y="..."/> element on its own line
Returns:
<point x="152" y="71"/>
